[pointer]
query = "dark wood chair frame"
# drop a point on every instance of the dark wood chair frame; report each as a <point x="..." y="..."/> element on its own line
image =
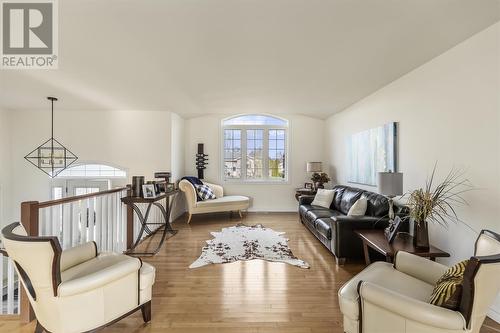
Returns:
<point x="475" y="262"/>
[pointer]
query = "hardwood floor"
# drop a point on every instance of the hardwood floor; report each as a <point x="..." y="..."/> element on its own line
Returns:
<point x="254" y="296"/>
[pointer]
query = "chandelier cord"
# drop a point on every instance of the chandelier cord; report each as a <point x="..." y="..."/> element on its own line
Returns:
<point x="52" y="133"/>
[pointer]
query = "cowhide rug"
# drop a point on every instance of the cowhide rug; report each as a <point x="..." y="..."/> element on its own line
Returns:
<point x="242" y="242"/>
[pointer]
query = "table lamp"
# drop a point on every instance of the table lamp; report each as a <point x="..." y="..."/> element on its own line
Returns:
<point x="390" y="184"/>
<point x="314" y="167"/>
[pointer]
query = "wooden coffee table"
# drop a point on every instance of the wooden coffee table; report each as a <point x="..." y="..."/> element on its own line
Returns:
<point x="375" y="239"/>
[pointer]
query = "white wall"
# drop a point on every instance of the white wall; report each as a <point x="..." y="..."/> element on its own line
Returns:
<point x="138" y="141"/>
<point x="306" y="144"/>
<point x="448" y="111"/>
<point x="5" y="169"/>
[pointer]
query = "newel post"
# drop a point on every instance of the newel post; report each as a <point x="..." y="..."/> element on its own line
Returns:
<point x="29" y="220"/>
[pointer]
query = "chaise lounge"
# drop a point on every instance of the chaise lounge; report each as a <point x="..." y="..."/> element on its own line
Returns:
<point x="229" y="203"/>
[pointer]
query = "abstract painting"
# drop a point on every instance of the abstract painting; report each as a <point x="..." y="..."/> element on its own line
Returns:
<point x="370" y="152"/>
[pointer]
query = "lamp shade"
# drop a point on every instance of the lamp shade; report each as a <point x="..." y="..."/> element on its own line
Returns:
<point x="314" y="167"/>
<point x="390" y="183"/>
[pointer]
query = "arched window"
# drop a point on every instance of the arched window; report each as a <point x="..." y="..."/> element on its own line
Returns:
<point x="255" y="148"/>
<point x="92" y="171"/>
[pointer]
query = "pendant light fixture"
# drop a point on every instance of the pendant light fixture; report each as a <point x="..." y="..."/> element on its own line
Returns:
<point x="51" y="156"/>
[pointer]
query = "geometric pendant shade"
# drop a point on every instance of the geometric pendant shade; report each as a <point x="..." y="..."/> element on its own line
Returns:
<point x="51" y="156"/>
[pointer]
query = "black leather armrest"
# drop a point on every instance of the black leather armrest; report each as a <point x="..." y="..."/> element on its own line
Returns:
<point x="346" y="243"/>
<point x="306" y="199"/>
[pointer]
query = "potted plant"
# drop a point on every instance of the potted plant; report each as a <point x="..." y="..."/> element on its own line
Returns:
<point x="436" y="204"/>
<point x="319" y="178"/>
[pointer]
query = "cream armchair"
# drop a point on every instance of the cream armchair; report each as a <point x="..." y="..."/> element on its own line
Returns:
<point x="78" y="290"/>
<point x="222" y="203"/>
<point x="386" y="298"/>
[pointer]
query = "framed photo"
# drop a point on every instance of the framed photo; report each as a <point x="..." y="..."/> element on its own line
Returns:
<point x="309" y="186"/>
<point x="149" y="191"/>
<point x="161" y="187"/>
<point x="392" y="230"/>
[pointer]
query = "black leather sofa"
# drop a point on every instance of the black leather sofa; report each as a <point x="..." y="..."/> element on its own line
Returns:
<point x="335" y="229"/>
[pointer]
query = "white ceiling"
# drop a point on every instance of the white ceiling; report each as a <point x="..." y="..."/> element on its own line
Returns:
<point x="193" y="57"/>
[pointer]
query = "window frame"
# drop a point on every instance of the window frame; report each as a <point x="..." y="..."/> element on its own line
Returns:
<point x="62" y="175"/>
<point x="265" y="148"/>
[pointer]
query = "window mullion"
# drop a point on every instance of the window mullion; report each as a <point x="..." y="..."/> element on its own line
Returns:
<point x="243" y="154"/>
<point x="265" y="153"/>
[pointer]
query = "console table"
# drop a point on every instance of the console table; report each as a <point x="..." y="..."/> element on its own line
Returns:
<point x="375" y="239"/>
<point x="133" y="206"/>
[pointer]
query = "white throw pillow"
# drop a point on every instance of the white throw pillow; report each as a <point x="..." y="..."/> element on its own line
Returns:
<point x="359" y="207"/>
<point x="323" y="198"/>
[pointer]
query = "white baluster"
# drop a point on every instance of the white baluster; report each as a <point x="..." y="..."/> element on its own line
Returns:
<point x="18" y="286"/>
<point x="84" y="220"/>
<point x="50" y="219"/>
<point x="110" y="223"/>
<point x="57" y="221"/>
<point x="2" y="258"/>
<point x="104" y="230"/>
<point x="75" y="223"/>
<point x="118" y="223"/>
<point x="91" y="219"/>
<point x="124" y="221"/>
<point x="46" y="221"/>
<point x="10" y="287"/>
<point x="98" y="221"/>
<point x="66" y="226"/>
<point x="113" y="222"/>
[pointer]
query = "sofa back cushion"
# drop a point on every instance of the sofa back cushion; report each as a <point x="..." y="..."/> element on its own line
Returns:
<point x="339" y="191"/>
<point x="345" y="197"/>
<point x="378" y="205"/>
<point x="349" y="197"/>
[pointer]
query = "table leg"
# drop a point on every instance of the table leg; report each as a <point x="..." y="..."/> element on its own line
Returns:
<point x="142" y="220"/>
<point x="165" y="213"/>
<point x="367" y="254"/>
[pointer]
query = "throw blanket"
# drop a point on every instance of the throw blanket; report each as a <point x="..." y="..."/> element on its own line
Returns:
<point x="194" y="181"/>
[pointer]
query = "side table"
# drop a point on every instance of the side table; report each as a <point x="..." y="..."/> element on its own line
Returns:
<point x="303" y="191"/>
<point x="375" y="239"/>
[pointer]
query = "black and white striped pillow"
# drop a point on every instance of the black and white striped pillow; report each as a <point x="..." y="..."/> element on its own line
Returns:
<point x="447" y="292"/>
<point x="205" y="192"/>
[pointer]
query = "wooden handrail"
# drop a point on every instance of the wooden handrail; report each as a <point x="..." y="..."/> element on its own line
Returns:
<point x="51" y="203"/>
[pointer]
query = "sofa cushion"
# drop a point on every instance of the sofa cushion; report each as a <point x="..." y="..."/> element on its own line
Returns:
<point x="303" y="209"/>
<point x="227" y="200"/>
<point x="378" y="205"/>
<point x="204" y="192"/>
<point x="318" y="212"/>
<point x="339" y="191"/>
<point x="324" y="228"/>
<point x="146" y="276"/>
<point x="323" y="198"/>
<point x="349" y="197"/>
<point x="359" y="207"/>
